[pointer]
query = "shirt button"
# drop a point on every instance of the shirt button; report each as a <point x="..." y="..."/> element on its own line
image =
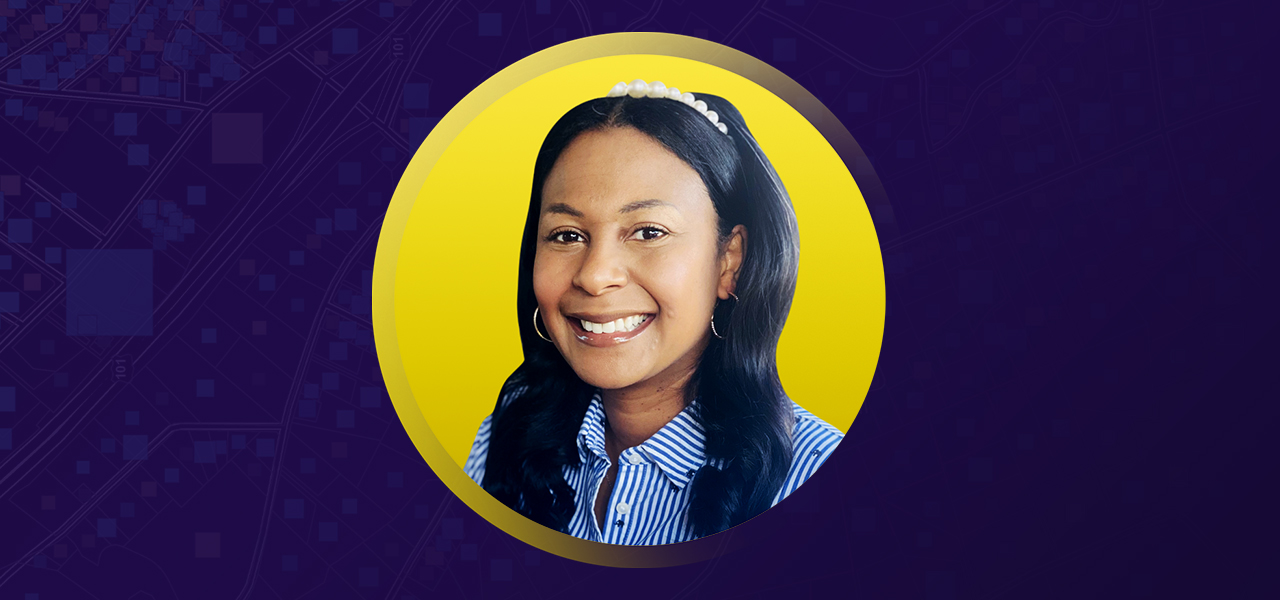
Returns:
<point x="636" y="459"/>
<point x="623" y="508"/>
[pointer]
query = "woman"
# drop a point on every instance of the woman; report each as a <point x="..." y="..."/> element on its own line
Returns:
<point x="657" y="268"/>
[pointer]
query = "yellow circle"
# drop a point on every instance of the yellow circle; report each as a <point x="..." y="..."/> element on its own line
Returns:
<point x="444" y="284"/>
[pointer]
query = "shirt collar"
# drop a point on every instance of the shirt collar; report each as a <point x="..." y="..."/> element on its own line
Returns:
<point x="678" y="449"/>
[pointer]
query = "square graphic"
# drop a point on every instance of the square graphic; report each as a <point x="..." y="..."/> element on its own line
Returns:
<point x="109" y="292"/>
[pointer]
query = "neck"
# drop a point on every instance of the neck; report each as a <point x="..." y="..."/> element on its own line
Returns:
<point x="637" y="412"/>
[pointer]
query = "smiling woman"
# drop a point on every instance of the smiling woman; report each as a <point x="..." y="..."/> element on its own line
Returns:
<point x="657" y="268"/>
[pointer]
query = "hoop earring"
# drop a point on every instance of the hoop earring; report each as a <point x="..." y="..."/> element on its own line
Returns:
<point x="535" y="326"/>
<point x="713" y="318"/>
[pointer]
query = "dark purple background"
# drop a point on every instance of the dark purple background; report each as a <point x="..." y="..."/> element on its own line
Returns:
<point x="1073" y="399"/>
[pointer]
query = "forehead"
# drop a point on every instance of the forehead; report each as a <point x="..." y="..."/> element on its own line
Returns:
<point x="603" y="170"/>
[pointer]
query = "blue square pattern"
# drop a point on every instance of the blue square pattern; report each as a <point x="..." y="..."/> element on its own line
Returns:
<point x="417" y="96"/>
<point x="345" y="41"/>
<point x="490" y="24"/>
<point x="349" y="506"/>
<point x="348" y="173"/>
<point x="346" y="419"/>
<point x="337" y="351"/>
<point x="53" y="255"/>
<point x="204" y="388"/>
<point x="344" y="219"/>
<point x="266" y="283"/>
<point x="238" y="441"/>
<point x="108" y="445"/>
<point x="6" y="439"/>
<point x="106" y="528"/>
<point x="370" y="397"/>
<point x="109" y="292"/>
<point x="293" y="508"/>
<point x="131" y="417"/>
<point x="20" y="231"/>
<point x="289" y="562"/>
<point x="135" y="448"/>
<point x="68" y="200"/>
<point x="307" y="466"/>
<point x="328" y="531"/>
<point x="297" y="258"/>
<point x="266" y="35"/>
<point x="329" y="381"/>
<point x="196" y="195"/>
<point x="43" y="210"/>
<point x="204" y="453"/>
<point x="171" y="475"/>
<point x="266" y="447"/>
<point x="33" y="66"/>
<point x="139" y="155"/>
<point x="82" y="467"/>
<point x="8" y="302"/>
<point x="395" y="479"/>
<point x="209" y="336"/>
<point x="369" y="577"/>
<point x="8" y="399"/>
<point x="858" y="102"/>
<point x="126" y="509"/>
<point x="784" y="49"/>
<point x="285" y="16"/>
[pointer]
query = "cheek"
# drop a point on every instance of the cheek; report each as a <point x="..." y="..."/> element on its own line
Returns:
<point x="684" y="289"/>
<point x="552" y="276"/>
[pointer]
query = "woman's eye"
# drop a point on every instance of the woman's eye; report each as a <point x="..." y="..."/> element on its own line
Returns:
<point x="648" y="233"/>
<point x="565" y="237"/>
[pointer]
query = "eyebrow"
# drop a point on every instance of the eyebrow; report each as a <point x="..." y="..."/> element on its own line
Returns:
<point x="560" y="208"/>
<point x="643" y="204"/>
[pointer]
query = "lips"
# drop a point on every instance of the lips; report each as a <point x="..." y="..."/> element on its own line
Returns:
<point x="608" y="330"/>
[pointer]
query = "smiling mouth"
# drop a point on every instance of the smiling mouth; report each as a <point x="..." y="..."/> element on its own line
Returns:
<point x="619" y="330"/>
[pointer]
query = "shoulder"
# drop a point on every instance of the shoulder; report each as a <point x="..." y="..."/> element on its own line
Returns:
<point x="474" y="467"/>
<point x="812" y="442"/>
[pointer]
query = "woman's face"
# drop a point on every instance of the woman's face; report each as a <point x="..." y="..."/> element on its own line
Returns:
<point x="629" y="264"/>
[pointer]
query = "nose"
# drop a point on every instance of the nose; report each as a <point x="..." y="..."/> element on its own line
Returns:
<point x="603" y="269"/>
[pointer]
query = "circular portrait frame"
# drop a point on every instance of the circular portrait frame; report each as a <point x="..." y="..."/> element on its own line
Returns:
<point x="429" y="374"/>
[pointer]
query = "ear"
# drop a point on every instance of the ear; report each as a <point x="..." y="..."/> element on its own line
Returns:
<point x="731" y="262"/>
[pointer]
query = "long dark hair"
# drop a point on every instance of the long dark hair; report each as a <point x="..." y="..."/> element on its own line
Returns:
<point x="746" y="415"/>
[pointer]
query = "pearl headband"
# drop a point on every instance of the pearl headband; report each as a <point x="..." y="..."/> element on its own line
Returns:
<point x="640" y="89"/>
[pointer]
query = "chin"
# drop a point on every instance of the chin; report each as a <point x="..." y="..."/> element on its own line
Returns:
<point x="607" y="376"/>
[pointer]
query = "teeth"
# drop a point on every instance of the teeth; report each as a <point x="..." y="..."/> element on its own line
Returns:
<point x="625" y="324"/>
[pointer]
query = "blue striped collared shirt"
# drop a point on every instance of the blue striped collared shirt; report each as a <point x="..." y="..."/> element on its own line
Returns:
<point x="650" y="499"/>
